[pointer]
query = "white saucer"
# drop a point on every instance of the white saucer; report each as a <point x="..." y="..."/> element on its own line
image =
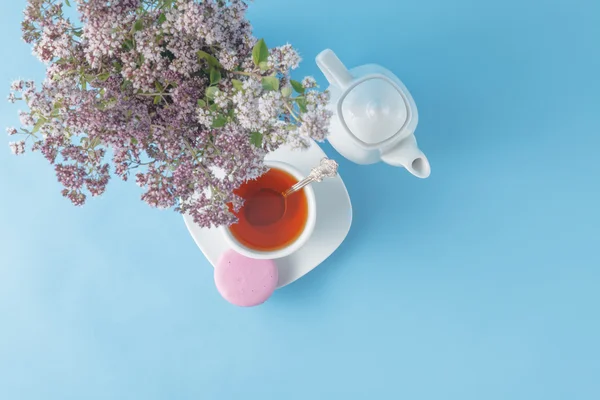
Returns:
<point x="334" y="217"/>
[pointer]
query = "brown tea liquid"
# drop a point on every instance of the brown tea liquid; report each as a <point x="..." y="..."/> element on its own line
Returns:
<point x="281" y="233"/>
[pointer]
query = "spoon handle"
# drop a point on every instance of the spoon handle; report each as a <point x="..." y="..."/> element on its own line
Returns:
<point x="298" y="186"/>
<point x="327" y="169"/>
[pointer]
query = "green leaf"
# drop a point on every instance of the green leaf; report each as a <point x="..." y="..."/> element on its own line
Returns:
<point x="215" y="76"/>
<point x="166" y="4"/>
<point x="270" y="83"/>
<point x="134" y="141"/>
<point x="263" y="65"/>
<point x="68" y="3"/>
<point x="138" y="26"/>
<point x="156" y="99"/>
<point x="260" y="52"/>
<point x="302" y="104"/>
<point x="298" y="87"/>
<point x="104" y="76"/>
<point x="286" y="91"/>
<point x="256" y="138"/>
<point x="213" y="107"/>
<point x="128" y="44"/>
<point x="219" y="122"/>
<point x="239" y="85"/>
<point x="211" y="91"/>
<point x="162" y="18"/>
<point x="201" y="103"/>
<point x="40" y="122"/>
<point x="158" y="86"/>
<point x="212" y="61"/>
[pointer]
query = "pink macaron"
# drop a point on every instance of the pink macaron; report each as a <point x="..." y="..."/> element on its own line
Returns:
<point x="244" y="281"/>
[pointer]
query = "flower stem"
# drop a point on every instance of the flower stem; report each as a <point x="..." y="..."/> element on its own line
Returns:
<point x="250" y="74"/>
<point x="292" y="113"/>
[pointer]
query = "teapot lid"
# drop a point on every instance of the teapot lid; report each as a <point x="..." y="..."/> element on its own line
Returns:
<point x="374" y="110"/>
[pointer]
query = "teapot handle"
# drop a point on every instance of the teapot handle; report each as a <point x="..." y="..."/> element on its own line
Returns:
<point x="334" y="70"/>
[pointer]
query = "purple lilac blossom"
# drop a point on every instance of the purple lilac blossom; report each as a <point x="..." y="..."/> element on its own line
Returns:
<point x="172" y="90"/>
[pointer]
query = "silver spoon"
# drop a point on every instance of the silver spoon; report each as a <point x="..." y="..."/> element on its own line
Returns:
<point x="267" y="206"/>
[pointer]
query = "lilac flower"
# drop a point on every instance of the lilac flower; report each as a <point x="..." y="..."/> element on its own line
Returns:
<point x="174" y="94"/>
<point x="76" y="197"/>
<point x="17" y="86"/>
<point x="309" y="82"/>
<point x="228" y="59"/>
<point x="315" y="120"/>
<point x="269" y="106"/>
<point x="17" y="147"/>
<point x="26" y="119"/>
<point x="313" y="124"/>
<point x="284" y="58"/>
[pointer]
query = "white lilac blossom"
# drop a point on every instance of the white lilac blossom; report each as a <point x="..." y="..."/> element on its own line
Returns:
<point x="178" y="92"/>
<point x="284" y="58"/>
<point x="17" y="86"/>
<point x="309" y="82"/>
<point x="17" y="147"/>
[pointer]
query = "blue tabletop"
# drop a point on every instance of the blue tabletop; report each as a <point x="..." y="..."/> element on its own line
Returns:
<point x="481" y="282"/>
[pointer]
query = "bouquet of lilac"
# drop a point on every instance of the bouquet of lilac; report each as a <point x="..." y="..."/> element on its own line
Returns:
<point x="178" y="90"/>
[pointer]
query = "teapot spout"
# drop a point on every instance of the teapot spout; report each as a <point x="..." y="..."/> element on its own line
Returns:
<point x="334" y="70"/>
<point x="408" y="155"/>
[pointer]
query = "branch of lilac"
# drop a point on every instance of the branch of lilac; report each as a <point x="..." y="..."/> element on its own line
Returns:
<point x="179" y="91"/>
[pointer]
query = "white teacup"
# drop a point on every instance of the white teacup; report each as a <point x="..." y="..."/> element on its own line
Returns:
<point x="309" y="227"/>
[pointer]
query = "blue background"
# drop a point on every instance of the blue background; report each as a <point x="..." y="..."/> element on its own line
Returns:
<point x="481" y="282"/>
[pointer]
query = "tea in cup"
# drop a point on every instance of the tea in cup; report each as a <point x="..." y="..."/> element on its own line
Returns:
<point x="288" y="233"/>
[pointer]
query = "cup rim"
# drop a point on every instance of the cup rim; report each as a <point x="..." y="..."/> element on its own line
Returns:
<point x="307" y="232"/>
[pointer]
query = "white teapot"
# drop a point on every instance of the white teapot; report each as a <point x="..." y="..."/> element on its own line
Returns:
<point x="374" y="116"/>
